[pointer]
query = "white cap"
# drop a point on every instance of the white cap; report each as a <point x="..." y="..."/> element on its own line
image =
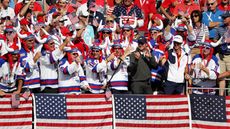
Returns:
<point x="84" y="13"/>
<point x="178" y="38"/>
<point x="26" y="1"/>
<point x="66" y="1"/>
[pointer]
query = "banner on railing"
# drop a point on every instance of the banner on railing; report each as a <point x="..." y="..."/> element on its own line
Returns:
<point x="121" y="112"/>
<point x="148" y="111"/>
<point x="15" y="118"/>
<point x="72" y="111"/>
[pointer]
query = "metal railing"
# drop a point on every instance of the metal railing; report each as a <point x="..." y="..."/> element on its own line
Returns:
<point x="209" y="90"/>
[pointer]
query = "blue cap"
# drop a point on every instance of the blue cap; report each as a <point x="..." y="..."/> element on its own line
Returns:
<point x="127" y="27"/>
<point x="95" y="47"/>
<point x="181" y="28"/>
<point x="141" y="40"/>
<point x="106" y="30"/>
<point x="29" y="37"/>
<point x="154" y="28"/>
<point x="117" y="45"/>
<point x="206" y="44"/>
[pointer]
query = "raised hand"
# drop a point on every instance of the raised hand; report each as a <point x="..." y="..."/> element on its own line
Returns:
<point x="111" y="57"/>
<point x="127" y="50"/>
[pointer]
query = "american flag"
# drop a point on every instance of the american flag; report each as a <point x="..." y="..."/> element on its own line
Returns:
<point x="110" y="11"/>
<point x="15" y="118"/>
<point x="73" y="18"/>
<point x="128" y="20"/>
<point x="209" y="111"/>
<point x="148" y="111"/>
<point x="73" y="111"/>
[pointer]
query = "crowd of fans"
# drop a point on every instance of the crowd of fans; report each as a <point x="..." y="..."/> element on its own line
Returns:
<point x="127" y="46"/>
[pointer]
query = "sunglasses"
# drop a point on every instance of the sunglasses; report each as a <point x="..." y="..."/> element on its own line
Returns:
<point x="52" y="43"/>
<point x="109" y="21"/>
<point x="9" y="32"/>
<point x="84" y="16"/>
<point x="95" y="50"/>
<point x="31" y="40"/>
<point x="75" y="54"/>
<point x="62" y="21"/>
<point x="117" y="48"/>
<point x="195" y="15"/>
<point x="5" y="18"/>
<point x="127" y="30"/>
<point x="106" y="32"/>
<point x="209" y="4"/>
<point x="207" y="48"/>
<point x="176" y="43"/>
<point x="62" y="2"/>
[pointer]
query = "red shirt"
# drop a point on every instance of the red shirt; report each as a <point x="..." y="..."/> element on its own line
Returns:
<point x="171" y="4"/>
<point x="110" y="3"/>
<point x="19" y="6"/>
<point x="147" y="6"/>
<point x="185" y="8"/>
<point x="69" y="10"/>
<point x="221" y="7"/>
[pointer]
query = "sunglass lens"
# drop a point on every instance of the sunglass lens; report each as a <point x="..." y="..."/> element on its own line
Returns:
<point x="109" y="21"/>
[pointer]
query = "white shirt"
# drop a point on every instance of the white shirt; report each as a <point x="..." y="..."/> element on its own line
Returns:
<point x="177" y="69"/>
<point x="7" y="12"/>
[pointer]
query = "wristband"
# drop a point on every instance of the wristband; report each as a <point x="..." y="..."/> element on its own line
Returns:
<point x="120" y="59"/>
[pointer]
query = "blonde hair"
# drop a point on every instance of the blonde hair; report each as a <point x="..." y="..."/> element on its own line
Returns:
<point x="109" y="17"/>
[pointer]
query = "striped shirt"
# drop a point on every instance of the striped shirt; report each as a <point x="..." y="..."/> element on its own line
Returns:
<point x="200" y="31"/>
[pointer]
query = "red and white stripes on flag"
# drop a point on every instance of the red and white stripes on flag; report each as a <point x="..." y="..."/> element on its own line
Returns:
<point x="86" y="111"/>
<point x="110" y="11"/>
<point x="128" y="20"/>
<point x="73" y="18"/>
<point x="161" y="112"/>
<point x="15" y="118"/>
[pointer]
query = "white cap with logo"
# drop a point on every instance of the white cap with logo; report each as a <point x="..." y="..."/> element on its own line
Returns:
<point x="178" y="39"/>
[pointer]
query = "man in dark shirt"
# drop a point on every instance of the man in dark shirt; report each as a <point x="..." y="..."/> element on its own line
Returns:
<point x="141" y="63"/>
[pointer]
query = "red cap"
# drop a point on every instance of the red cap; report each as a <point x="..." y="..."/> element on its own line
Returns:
<point x="29" y="35"/>
<point x="65" y="31"/>
<point x="55" y="14"/>
<point x="41" y="19"/>
<point x="24" y="21"/>
<point x="157" y="16"/>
